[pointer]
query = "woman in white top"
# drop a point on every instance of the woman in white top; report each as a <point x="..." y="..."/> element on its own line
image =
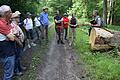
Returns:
<point x="37" y="26"/>
<point x="28" y="24"/>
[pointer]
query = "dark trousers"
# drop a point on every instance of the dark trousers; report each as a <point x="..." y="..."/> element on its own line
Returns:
<point x="60" y="33"/>
<point x="45" y="31"/>
<point x="18" y="66"/>
<point x="38" y="31"/>
<point x="66" y="32"/>
<point x="29" y="34"/>
<point x="90" y="30"/>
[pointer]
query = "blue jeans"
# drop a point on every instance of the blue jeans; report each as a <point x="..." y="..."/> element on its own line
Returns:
<point x="8" y="63"/>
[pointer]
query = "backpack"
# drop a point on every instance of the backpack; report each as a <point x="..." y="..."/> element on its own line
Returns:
<point x="73" y="21"/>
<point x="102" y="22"/>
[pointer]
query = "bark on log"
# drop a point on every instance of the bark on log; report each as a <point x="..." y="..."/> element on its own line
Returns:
<point x="100" y="39"/>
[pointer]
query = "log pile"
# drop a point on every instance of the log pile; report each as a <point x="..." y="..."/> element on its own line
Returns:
<point x="100" y="39"/>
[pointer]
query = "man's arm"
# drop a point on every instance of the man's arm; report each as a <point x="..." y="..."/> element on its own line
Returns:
<point x="41" y="19"/>
<point x="6" y="30"/>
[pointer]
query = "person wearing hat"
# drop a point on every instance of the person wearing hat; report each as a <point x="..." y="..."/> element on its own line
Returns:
<point x="28" y="24"/>
<point x="65" y="24"/>
<point x="44" y="20"/>
<point x="37" y="26"/>
<point x="7" y="42"/>
<point x="19" y="34"/>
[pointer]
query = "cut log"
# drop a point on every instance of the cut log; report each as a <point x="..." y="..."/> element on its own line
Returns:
<point x="100" y="39"/>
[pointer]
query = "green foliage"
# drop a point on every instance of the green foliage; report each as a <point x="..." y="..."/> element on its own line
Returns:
<point x="60" y="5"/>
<point x="116" y="12"/>
<point x="84" y="8"/>
<point x="21" y="5"/>
<point x="114" y="27"/>
<point x="99" y="65"/>
<point x="24" y="6"/>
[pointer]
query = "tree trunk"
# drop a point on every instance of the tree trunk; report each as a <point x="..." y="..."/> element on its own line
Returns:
<point x="70" y="3"/>
<point x="105" y="11"/>
<point x="109" y="13"/>
<point x="112" y="12"/>
<point x="110" y="20"/>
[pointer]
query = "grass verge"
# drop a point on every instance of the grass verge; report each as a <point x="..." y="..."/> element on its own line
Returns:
<point x="33" y="58"/>
<point x="99" y="65"/>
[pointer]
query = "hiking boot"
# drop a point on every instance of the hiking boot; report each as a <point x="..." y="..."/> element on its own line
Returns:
<point x="58" y="41"/>
<point x="70" y="44"/>
<point x="33" y="44"/>
<point x="24" y="68"/>
<point x="18" y="74"/>
<point x="62" y="42"/>
<point x="66" y="39"/>
<point x="29" y="46"/>
<point x="42" y="37"/>
<point x="24" y="49"/>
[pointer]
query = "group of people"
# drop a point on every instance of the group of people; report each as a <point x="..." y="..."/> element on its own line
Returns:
<point x="41" y="26"/>
<point x="62" y="24"/>
<point x="12" y="38"/>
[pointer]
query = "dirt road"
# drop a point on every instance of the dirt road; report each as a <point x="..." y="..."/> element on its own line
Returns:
<point x="60" y="64"/>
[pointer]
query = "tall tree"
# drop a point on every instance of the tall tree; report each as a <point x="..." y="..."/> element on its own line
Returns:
<point x="111" y="12"/>
<point x="61" y="5"/>
<point x="105" y="11"/>
<point x="70" y="3"/>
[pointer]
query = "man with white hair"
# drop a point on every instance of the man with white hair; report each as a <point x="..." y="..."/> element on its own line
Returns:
<point x="7" y="42"/>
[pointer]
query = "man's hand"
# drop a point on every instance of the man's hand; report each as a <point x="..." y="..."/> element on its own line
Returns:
<point x="11" y="37"/>
<point x="18" y="42"/>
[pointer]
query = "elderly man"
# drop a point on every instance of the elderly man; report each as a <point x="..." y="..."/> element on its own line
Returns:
<point x="7" y="42"/>
<point x="16" y="30"/>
